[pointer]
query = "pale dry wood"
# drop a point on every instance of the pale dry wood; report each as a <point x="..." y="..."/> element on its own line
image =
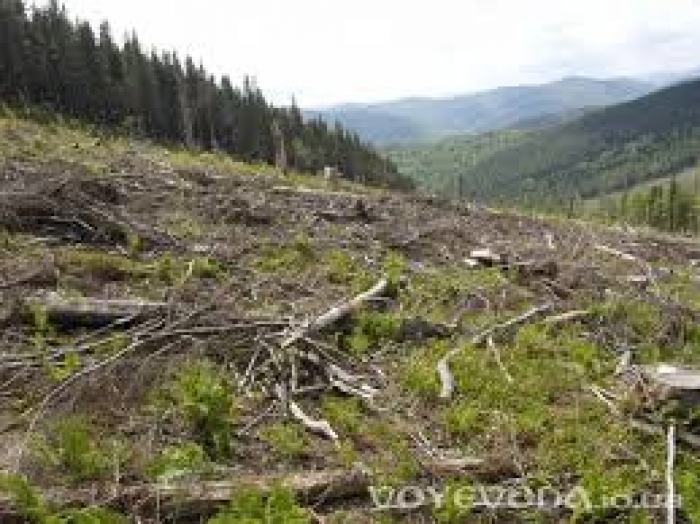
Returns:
<point x="568" y="316"/>
<point x="670" y="484"/>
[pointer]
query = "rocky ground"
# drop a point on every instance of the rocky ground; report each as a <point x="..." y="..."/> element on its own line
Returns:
<point x="182" y="334"/>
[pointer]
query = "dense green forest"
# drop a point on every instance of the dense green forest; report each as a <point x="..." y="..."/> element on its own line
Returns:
<point x="671" y="204"/>
<point x="55" y="64"/>
<point x="603" y="151"/>
<point x="440" y="166"/>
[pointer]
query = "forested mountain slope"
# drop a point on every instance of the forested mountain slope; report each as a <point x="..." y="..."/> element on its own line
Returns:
<point x="440" y="165"/>
<point x="604" y="150"/>
<point x="608" y="149"/>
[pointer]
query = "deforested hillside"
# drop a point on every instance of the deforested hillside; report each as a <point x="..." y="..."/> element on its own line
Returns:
<point x="188" y="339"/>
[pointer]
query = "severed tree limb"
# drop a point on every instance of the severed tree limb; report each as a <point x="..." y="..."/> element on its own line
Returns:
<point x="569" y="316"/>
<point x="670" y="460"/>
<point x="320" y="427"/>
<point x="443" y="367"/>
<point x="603" y="396"/>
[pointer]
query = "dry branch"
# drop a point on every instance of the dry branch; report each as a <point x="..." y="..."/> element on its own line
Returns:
<point x="337" y="313"/>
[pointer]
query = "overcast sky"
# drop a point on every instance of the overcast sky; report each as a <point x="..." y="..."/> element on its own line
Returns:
<point x="331" y="51"/>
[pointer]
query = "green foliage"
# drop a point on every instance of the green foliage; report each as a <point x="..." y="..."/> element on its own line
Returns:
<point x="105" y="266"/>
<point x="134" y="244"/>
<point x="249" y="506"/>
<point x="603" y="151"/>
<point x="288" y="439"/>
<point x="439" y="165"/>
<point x="371" y="328"/>
<point x="394" y="266"/>
<point x="462" y="419"/>
<point x="39" y="318"/>
<point x="175" y="461"/>
<point x="168" y="270"/>
<point x="688" y="479"/>
<point x="27" y="500"/>
<point x="393" y="461"/>
<point x="32" y="506"/>
<point x="641" y="321"/>
<point x="72" y="448"/>
<point x="206" y="267"/>
<point x="418" y="373"/>
<point x="666" y="205"/>
<point x="299" y="254"/>
<point x="340" y="266"/>
<point x="457" y="503"/>
<point x="88" y="516"/>
<point x="202" y="396"/>
<point x="60" y="371"/>
<point x="344" y="414"/>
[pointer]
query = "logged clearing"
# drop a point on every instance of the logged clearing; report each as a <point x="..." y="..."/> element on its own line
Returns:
<point x="186" y="338"/>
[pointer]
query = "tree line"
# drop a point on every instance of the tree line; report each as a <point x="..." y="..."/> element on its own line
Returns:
<point x="668" y="206"/>
<point x="54" y="63"/>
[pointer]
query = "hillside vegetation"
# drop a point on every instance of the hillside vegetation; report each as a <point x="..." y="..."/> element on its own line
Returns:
<point x="173" y="348"/>
<point x="606" y="150"/>
<point x="440" y="166"/>
<point x="603" y="151"/>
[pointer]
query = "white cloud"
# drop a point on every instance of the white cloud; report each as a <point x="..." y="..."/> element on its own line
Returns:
<point x="329" y="51"/>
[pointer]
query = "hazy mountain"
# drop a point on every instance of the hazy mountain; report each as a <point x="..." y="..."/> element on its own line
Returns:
<point x="415" y="119"/>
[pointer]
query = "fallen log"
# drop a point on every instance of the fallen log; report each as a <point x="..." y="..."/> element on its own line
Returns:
<point x="89" y="312"/>
<point x="189" y="498"/>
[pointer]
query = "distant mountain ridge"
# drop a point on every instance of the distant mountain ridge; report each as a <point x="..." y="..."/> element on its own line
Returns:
<point x="418" y="119"/>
